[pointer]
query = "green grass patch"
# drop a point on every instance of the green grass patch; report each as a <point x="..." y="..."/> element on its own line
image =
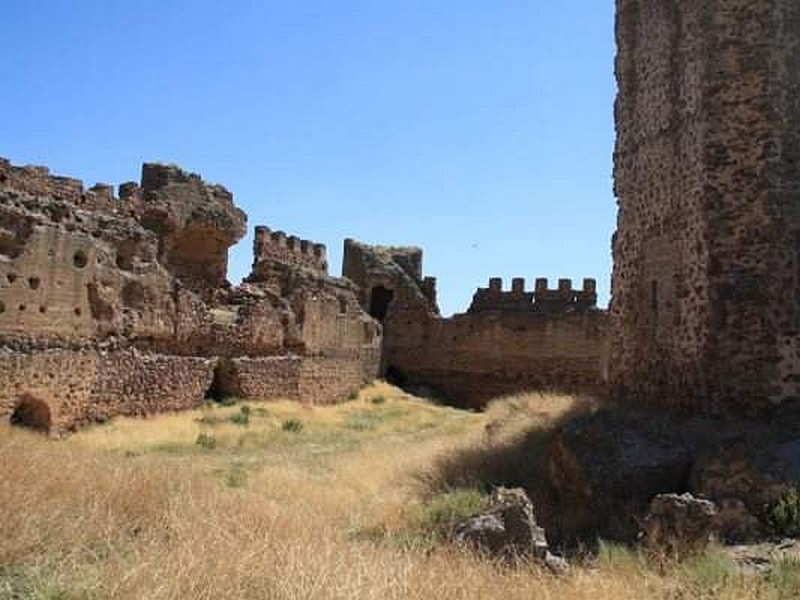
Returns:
<point x="436" y="518"/>
<point x="784" y="515"/>
<point x="364" y="420"/>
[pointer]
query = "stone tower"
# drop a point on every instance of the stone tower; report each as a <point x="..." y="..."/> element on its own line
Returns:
<point x="706" y="283"/>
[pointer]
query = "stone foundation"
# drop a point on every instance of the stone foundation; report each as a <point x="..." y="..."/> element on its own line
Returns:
<point x="85" y="386"/>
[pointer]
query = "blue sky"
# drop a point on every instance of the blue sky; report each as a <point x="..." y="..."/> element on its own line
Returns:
<point x="479" y="130"/>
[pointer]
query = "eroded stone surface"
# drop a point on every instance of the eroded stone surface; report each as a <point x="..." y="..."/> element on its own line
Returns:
<point x="705" y="282"/>
<point x="115" y="306"/>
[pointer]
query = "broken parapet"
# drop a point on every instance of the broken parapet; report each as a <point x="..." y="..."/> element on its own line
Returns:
<point x="543" y="299"/>
<point x="37" y="181"/>
<point x="196" y="221"/>
<point x="276" y="246"/>
<point x="389" y="278"/>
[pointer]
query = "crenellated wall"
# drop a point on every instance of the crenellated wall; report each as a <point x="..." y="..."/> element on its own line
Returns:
<point x="275" y="246"/>
<point x="542" y="299"/>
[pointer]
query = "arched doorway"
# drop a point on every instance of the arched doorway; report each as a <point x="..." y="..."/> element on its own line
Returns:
<point x="32" y="413"/>
<point x="379" y="301"/>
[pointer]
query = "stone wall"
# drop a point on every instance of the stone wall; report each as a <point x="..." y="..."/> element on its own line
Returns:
<point x="509" y="341"/>
<point x="471" y="358"/>
<point x="311" y="380"/>
<point x="137" y="384"/>
<point x="77" y="387"/>
<point x="705" y="285"/>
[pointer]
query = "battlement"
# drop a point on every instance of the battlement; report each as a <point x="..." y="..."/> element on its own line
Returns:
<point x="278" y="247"/>
<point x="39" y="181"/>
<point x="542" y="299"/>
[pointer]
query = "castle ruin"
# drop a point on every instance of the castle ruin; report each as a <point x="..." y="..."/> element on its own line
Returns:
<point x="120" y="306"/>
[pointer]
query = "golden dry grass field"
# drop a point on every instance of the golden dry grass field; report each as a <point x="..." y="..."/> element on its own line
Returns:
<point x="278" y="500"/>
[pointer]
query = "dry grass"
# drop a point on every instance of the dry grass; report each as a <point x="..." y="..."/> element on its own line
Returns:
<point x="136" y="509"/>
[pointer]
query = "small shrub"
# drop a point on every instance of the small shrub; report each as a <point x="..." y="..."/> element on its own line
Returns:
<point x="228" y="401"/>
<point x="206" y="441"/>
<point x="292" y="425"/>
<point x="442" y="513"/>
<point x="363" y="420"/>
<point x="242" y="417"/>
<point x="260" y="411"/>
<point x="353" y="395"/>
<point x="236" y="477"/>
<point x="378" y="400"/>
<point x="784" y="515"/>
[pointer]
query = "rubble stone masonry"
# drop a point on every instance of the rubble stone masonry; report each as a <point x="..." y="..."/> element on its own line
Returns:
<point x="706" y="282"/>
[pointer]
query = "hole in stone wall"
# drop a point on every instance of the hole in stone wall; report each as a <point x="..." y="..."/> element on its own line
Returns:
<point x="3" y="178"/>
<point x="32" y="413"/>
<point x="125" y="254"/>
<point x="133" y="295"/>
<point x="342" y="305"/>
<point x="77" y="312"/>
<point x="34" y="282"/>
<point x="42" y="309"/>
<point x="12" y="277"/>
<point x="79" y="259"/>
<point x="380" y="298"/>
<point x="101" y="309"/>
<point x="654" y="297"/>
<point x="2" y="307"/>
<point x="22" y="308"/>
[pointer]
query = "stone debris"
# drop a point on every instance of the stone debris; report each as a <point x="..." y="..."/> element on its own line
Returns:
<point x="508" y="529"/>
<point x="678" y="525"/>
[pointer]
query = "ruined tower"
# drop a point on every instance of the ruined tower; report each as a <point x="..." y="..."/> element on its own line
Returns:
<point x="706" y="283"/>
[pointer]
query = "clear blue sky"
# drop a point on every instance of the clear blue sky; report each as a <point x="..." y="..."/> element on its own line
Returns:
<point x="479" y="130"/>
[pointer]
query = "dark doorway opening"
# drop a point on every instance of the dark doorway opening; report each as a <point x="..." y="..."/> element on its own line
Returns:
<point x="32" y="413"/>
<point x="217" y="390"/>
<point x="396" y="377"/>
<point x="380" y="298"/>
